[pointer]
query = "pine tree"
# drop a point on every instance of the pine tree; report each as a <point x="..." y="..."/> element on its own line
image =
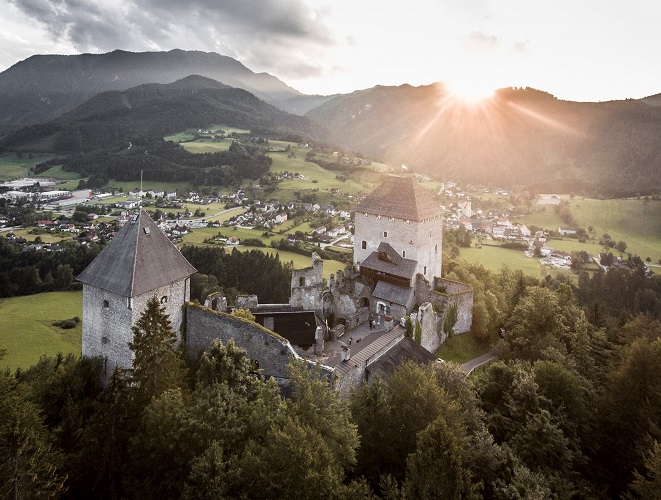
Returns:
<point x="157" y="365"/>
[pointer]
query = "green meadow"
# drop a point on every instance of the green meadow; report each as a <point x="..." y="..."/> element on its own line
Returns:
<point x="56" y="172"/>
<point x="493" y="258"/>
<point x="27" y="331"/>
<point x="191" y="133"/>
<point x="637" y="222"/>
<point x="12" y="166"/>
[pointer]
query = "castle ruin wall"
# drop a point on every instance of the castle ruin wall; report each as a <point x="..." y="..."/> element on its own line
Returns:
<point x="272" y="352"/>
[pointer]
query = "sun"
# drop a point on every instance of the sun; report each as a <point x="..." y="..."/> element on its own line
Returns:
<point x="470" y="90"/>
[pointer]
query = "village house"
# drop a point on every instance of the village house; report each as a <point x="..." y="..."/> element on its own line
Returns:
<point x="567" y="231"/>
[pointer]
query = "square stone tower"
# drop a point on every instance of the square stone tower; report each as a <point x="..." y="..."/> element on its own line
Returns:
<point x="139" y="262"/>
<point x="404" y="215"/>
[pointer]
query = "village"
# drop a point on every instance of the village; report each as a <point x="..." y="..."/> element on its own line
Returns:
<point x="174" y="214"/>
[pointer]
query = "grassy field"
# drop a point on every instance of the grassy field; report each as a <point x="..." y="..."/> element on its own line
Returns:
<point x="11" y="166"/>
<point x="207" y="145"/>
<point x="637" y="222"/>
<point x="547" y="219"/>
<point x="493" y="259"/>
<point x="27" y="331"/>
<point x="190" y="133"/>
<point x="462" y="348"/>
<point x="46" y="237"/>
<point x="57" y="173"/>
<point x="149" y="185"/>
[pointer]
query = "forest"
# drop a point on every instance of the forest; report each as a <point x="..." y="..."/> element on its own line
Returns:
<point x="254" y="272"/>
<point x="29" y="272"/>
<point x="161" y="160"/>
<point x="569" y="410"/>
<point x="251" y="273"/>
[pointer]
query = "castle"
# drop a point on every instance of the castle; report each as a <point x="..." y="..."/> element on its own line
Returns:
<point x="354" y="326"/>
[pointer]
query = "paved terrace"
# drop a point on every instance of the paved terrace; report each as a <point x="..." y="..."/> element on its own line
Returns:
<point x="356" y="339"/>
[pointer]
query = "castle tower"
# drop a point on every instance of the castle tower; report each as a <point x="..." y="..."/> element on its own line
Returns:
<point x="137" y="264"/>
<point x="307" y="286"/>
<point x="404" y="215"/>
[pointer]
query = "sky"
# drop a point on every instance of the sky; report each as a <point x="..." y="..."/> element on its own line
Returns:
<point x="581" y="50"/>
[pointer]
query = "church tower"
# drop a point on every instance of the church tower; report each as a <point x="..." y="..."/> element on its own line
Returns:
<point x="405" y="216"/>
<point x="140" y="262"/>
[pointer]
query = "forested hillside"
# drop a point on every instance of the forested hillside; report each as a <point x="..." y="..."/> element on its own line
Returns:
<point x="43" y="87"/>
<point x="151" y="111"/>
<point x="116" y="135"/>
<point x="518" y="137"/>
<point x="570" y="410"/>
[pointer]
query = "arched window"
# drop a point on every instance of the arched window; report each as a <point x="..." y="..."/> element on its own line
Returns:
<point x="436" y="248"/>
<point x="385" y="234"/>
<point x="106" y="304"/>
<point x="425" y="271"/>
<point x="164" y="299"/>
<point x="403" y="253"/>
<point x="363" y="245"/>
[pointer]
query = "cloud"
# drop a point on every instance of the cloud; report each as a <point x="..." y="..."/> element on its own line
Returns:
<point x="480" y="42"/>
<point x="519" y="47"/>
<point x="263" y="34"/>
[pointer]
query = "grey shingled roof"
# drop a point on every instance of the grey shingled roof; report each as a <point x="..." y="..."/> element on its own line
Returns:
<point x="405" y="349"/>
<point x="139" y="258"/>
<point x="373" y="344"/>
<point x="403" y="198"/>
<point x="392" y="293"/>
<point x="404" y="268"/>
<point x="390" y="252"/>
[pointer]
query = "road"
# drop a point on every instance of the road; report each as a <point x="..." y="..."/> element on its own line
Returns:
<point x="469" y="366"/>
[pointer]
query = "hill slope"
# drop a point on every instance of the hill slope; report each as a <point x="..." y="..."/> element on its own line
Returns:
<point x="43" y="87"/>
<point x="151" y="111"/>
<point x="520" y="136"/>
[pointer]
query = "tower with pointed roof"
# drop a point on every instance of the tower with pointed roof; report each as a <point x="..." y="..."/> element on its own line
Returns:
<point x="139" y="263"/>
<point x="404" y="216"/>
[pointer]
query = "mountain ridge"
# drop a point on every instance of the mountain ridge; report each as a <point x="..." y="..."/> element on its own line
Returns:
<point x="518" y="137"/>
<point x="150" y="111"/>
<point x="43" y="87"/>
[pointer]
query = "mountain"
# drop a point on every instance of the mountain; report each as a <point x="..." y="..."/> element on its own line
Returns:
<point x="43" y="87"/>
<point x="518" y="137"/>
<point x="152" y="111"/>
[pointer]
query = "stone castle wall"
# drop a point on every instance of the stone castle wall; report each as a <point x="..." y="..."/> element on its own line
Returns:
<point x="452" y="292"/>
<point x="107" y="328"/>
<point x="307" y="286"/>
<point x="108" y="318"/>
<point x="269" y="349"/>
<point x="432" y="327"/>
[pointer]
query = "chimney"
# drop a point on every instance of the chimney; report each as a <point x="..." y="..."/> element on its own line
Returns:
<point x="346" y="353"/>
